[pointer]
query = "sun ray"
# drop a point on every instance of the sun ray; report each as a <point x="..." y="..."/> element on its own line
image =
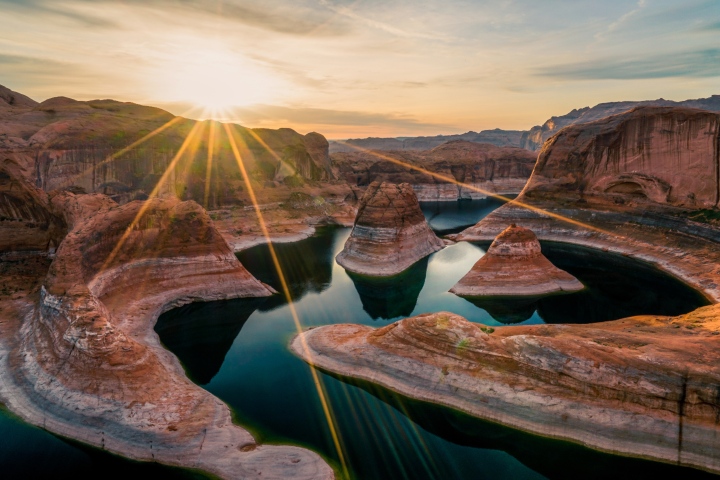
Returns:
<point x="128" y="148"/>
<point x="168" y="171"/>
<point x="209" y="166"/>
<point x="488" y="193"/>
<point x="286" y="292"/>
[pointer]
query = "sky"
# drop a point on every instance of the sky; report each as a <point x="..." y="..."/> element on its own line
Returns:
<point x="362" y="68"/>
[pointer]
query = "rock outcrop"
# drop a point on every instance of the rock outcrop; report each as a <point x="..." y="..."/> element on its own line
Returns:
<point x="123" y="149"/>
<point x="390" y="232"/>
<point x="482" y="169"/>
<point x="642" y="386"/>
<point x="534" y="138"/>
<point x="668" y="156"/>
<point x="515" y="266"/>
<point x="27" y="222"/>
<point x="88" y="365"/>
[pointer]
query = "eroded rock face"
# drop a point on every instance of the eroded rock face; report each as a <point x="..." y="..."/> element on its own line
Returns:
<point x="643" y="386"/>
<point x="27" y="222"/>
<point x="663" y="155"/>
<point x="390" y="232"/>
<point x="123" y="149"/>
<point x="515" y="266"/>
<point x="498" y="137"/>
<point x="486" y="169"/>
<point x="89" y="365"/>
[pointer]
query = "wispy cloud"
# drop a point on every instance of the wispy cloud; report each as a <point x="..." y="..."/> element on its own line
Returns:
<point x="698" y="64"/>
<point x="53" y="9"/>
<point x="622" y="20"/>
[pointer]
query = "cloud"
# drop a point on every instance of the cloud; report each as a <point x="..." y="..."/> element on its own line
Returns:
<point x="620" y="21"/>
<point x="36" y="7"/>
<point x="694" y="64"/>
<point x="283" y="17"/>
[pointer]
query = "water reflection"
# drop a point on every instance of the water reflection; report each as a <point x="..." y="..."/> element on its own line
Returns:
<point x="200" y="334"/>
<point x="616" y="287"/>
<point x="307" y="266"/>
<point x="452" y="217"/>
<point x="391" y="297"/>
<point x="551" y="458"/>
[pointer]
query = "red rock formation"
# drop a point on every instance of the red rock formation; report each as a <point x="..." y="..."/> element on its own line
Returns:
<point x="665" y="155"/>
<point x="498" y="137"/>
<point x="63" y="142"/>
<point x="26" y="220"/>
<point x="390" y="232"/>
<point x="643" y="386"/>
<point x="514" y="266"/>
<point x="485" y="168"/>
<point x="89" y="365"/>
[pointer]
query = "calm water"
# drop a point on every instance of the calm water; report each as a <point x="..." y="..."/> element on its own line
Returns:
<point x="238" y="351"/>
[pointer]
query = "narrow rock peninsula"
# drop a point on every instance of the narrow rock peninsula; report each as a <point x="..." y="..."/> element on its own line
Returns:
<point x="87" y="364"/>
<point x="642" y="386"/>
<point x="515" y="266"/>
<point x="390" y="232"/>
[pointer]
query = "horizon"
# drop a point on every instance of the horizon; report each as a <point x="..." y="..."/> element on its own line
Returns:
<point x="365" y="68"/>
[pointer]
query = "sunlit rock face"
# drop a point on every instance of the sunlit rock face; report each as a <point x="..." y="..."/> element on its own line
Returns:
<point x="452" y="171"/>
<point x="667" y="156"/>
<point x="642" y="386"/>
<point x="123" y="150"/>
<point x="514" y="266"/>
<point x="390" y="232"/>
<point x="27" y="222"/>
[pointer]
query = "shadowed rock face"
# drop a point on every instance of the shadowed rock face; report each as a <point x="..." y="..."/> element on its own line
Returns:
<point x="643" y="386"/>
<point x="92" y="145"/>
<point x="488" y="169"/>
<point x="390" y="232"/>
<point x="667" y="156"/>
<point x="514" y="266"/>
<point x="88" y="364"/>
<point x="27" y="222"/>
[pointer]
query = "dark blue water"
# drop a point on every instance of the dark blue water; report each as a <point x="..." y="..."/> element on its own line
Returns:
<point x="238" y="350"/>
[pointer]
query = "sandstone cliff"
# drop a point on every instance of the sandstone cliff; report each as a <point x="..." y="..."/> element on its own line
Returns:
<point x="390" y="232"/>
<point x="485" y="168"/>
<point x="515" y="266"/>
<point x="88" y="365"/>
<point x="642" y="386"/>
<point x="534" y="138"/>
<point x="92" y="145"/>
<point x="27" y="222"/>
<point x="666" y="156"/>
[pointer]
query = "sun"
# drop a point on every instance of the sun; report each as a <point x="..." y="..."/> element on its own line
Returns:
<point x="216" y="80"/>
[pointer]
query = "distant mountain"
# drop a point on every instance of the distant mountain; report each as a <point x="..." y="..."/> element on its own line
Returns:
<point x="532" y="139"/>
<point x="497" y="137"/>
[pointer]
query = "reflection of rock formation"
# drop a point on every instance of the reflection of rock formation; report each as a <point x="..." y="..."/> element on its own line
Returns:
<point x="390" y="232"/>
<point x="391" y="297"/>
<point x="515" y="266"/>
<point x="88" y="364"/>
<point x="201" y="334"/>
<point x="306" y="266"/>
<point x="643" y="386"/>
<point x="507" y="310"/>
<point x="485" y="167"/>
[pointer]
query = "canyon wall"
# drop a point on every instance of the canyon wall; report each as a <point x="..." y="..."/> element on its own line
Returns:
<point x="663" y="155"/>
<point x="484" y="168"/>
<point x="123" y="150"/>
